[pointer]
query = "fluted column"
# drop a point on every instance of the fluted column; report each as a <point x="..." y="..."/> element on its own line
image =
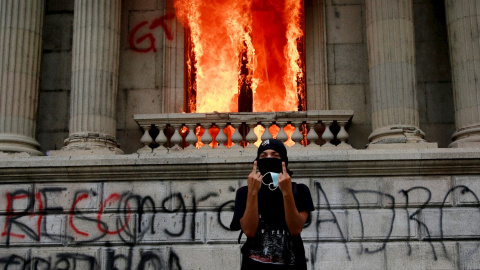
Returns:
<point x="463" y="24"/>
<point x="391" y="55"/>
<point x="21" y="26"/>
<point x="96" y="54"/>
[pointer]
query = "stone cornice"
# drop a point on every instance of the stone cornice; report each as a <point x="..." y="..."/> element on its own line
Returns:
<point x="210" y="165"/>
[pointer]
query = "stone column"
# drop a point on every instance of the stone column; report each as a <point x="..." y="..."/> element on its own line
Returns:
<point x="391" y="55"/>
<point x="463" y="24"/>
<point x="173" y="96"/>
<point x="95" y="64"/>
<point x="21" y="26"/>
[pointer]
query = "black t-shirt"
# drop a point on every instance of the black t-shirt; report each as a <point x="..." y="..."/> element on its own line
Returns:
<point x="273" y="247"/>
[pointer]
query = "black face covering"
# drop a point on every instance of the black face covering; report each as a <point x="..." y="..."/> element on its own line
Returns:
<point x="266" y="165"/>
<point x="278" y="147"/>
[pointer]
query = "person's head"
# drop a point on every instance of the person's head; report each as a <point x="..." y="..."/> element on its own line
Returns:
<point x="270" y="155"/>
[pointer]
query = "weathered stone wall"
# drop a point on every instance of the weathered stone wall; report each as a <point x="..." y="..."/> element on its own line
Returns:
<point x="375" y="210"/>
<point x="147" y="30"/>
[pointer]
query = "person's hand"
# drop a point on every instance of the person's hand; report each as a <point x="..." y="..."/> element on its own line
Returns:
<point x="285" y="181"/>
<point x="254" y="180"/>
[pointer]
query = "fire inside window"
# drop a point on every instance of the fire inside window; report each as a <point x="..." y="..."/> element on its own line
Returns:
<point x="244" y="56"/>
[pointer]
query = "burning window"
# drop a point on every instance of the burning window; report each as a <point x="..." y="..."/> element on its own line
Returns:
<point x="244" y="55"/>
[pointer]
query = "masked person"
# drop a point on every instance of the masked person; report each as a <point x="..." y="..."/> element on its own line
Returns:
<point x="272" y="211"/>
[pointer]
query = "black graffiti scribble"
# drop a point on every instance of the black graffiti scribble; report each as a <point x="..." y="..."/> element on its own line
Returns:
<point x="94" y="229"/>
<point x="221" y="209"/>
<point x="41" y="263"/>
<point x="194" y="209"/>
<point x="150" y="257"/>
<point x="141" y="202"/>
<point x="70" y="261"/>
<point x="321" y="193"/>
<point x="181" y="208"/>
<point x="13" y="260"/>
<point x="384" y="241"/>
<point x="414" y="215"/>
<point x="112" y="259"/>
<point x="78" y="214"/>
<point x="13" y="216"/>
<point x="56" y="192"/>
<point x="174" y="261"/>
<point x="463" y="190"/>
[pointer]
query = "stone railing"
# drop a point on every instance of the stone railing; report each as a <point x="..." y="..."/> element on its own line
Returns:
<point x="307" y="129"/>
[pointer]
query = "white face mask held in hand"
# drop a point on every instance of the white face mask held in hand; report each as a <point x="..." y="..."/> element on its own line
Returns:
<point x="274" y="184"/>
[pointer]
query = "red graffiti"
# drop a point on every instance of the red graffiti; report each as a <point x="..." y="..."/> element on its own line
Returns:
<point x="113" y="197"/>
<point x="72" y="211"/>
<point x="12" y="215"/>
<point x="40" y="210"/>
<point x="134" y="42"/>
<point x="113" y="217"/>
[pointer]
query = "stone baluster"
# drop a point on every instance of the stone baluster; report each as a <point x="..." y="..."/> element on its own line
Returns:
<point x="21" y="27"/>
<point x="191" y="138"/>
<point x="236" y="137"/>
<point x="343" y="136"/>
<point x="161" y="139"/>
<point x="206" y="137"/>
<point x="282" y="136"/>
<point x="146" y="140"/>
<point x="312" y="135"/>
<point x="251" y="136"/>
<point x="391" y="55"/>
<point x="221" y="137"/>
<point x="266" y="134"/>
<point x="230" y="125"/>
<point x="463" y="23"/>
<point x="96" y="56"/>
<point x="327" y="135"/>
<point x="297" y="136"/>
<point x="176" y="138"/>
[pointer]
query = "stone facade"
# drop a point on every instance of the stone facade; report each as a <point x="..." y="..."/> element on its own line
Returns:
<point x="90" y="97"/>
<point x="151" y="72"/>
<point x="374" y="210"/>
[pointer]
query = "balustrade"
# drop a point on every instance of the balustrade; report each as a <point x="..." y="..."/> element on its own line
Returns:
<point x="324" y="130"/>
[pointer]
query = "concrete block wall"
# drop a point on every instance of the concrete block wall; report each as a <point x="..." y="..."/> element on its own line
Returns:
<point x="360" y="222"/>
<point x="141" y="82"/>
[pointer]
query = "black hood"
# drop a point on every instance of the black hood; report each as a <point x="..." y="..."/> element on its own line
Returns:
<point x="278" y="147"/>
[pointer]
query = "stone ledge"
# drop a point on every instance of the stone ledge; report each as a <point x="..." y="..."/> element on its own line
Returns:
<point x="234" y="165"/>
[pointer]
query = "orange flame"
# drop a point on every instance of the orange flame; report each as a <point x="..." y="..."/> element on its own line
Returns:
<point x="268" y="33"/>
<point x="295" y="71"/>
<point x="199" y="133"/>
<point x="217" y="32"/>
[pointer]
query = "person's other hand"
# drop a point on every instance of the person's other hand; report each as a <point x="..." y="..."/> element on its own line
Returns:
<point x="254" y="180"/>
<point x="285" y="181"/>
